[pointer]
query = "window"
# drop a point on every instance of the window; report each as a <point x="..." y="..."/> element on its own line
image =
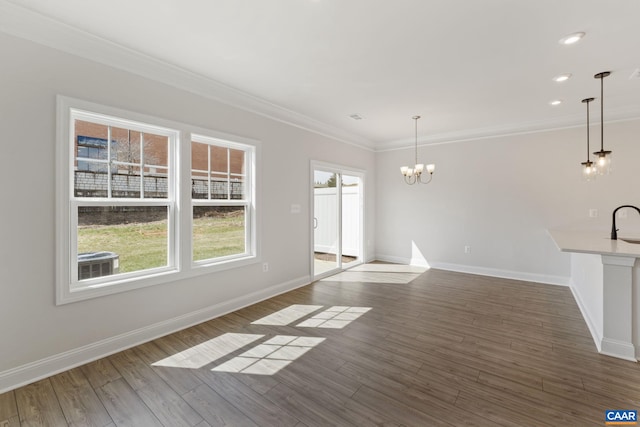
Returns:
<point x="220" y="201"/>
<point x="120" y="194"/>
<point x="123" y="199"/>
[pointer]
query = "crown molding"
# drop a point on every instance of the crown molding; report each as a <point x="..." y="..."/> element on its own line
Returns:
<point x="558" y="123"/>
<point x="21" y="22"/>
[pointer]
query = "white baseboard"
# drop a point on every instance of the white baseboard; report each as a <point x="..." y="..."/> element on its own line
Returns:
<point x="393" y="259"/>
<point x="619" y="349"/>
<point x="370" y="258"/>
<point x="31" y="372"/>
<point x="481" y="271"/>
<point x="597" y="338"/>
<point x="505" y="274"/>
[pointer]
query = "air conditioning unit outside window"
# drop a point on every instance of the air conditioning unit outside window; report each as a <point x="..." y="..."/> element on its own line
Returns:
<point x="96" y="264"/>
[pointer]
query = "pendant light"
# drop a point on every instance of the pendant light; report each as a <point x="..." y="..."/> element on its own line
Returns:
<point x="414" y="175"/>
<point x="603" y="158"/>
<point x="589" y="170"/>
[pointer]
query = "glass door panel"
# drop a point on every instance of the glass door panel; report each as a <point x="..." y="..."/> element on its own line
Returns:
<point x="326" y="223"/>
<point x="351" y="220"/>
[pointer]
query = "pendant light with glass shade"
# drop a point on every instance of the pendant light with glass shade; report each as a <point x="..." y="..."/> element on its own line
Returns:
<point x="414" y="175"/>
<point x="589" y="169"/>
<point x="603" y="159"/>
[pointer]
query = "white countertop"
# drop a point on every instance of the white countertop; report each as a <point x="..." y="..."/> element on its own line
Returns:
<point x="595" y="242"/>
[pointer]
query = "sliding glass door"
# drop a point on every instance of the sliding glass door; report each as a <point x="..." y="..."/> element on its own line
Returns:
<point x="337" y="219"/>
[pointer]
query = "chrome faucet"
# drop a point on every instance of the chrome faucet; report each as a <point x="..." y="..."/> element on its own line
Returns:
<point x="614" y="230"/>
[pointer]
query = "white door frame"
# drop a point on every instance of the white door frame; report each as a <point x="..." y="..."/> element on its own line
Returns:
<point x="341" y="170"/>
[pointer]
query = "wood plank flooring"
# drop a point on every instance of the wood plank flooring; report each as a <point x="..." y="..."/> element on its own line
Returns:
<point x="431" y="349"/>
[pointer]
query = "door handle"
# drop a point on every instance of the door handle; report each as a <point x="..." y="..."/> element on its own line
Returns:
<point x="315" y="223"/>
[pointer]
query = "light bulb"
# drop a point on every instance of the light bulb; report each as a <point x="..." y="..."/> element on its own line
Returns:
<point x="589" y="171"/>
<point x="562" y="78"/>
<point x="572" y="38"/>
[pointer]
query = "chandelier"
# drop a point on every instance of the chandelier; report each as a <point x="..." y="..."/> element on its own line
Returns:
<point x="414" y="175"/>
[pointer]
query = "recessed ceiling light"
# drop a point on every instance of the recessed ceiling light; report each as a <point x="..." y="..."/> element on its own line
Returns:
<point x="562" y="77"/>
<point x="572" y="38"/>
<point x="555" y="102"/>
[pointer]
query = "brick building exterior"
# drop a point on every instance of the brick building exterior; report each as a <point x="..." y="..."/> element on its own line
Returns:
<point x="132" y="152"/>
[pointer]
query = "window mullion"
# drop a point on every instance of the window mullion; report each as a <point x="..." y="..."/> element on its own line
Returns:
<point x="209" y="180"/>
<point x="228" y="174"/>
<point x="109" y="177"/>
<point x="173" y="185"/>
<point x="141" y="166"/>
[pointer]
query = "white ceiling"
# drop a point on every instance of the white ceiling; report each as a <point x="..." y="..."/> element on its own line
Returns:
<point x="471" y="68"/>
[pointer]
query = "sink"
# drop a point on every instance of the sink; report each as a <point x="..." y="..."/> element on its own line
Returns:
<point x="634" y="241"/>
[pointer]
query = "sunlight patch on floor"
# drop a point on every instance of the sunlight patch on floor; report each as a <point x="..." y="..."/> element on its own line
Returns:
<point x="336" y="317"/>
<point x="287" y="315"/>
<point x="390" y="268"/>
<point x="271" y="356"/>
<point x="378" y="273"/>
<point x="209" y="351"/>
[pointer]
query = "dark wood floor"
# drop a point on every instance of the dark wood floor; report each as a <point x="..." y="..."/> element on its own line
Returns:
<point x="444" y="349"/>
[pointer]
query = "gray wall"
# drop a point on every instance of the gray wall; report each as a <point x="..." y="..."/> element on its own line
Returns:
<point x="32" y="328"/>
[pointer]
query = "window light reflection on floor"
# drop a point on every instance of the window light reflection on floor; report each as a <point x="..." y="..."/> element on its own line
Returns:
<point x="271" y="356"/>
<point x="336" y="317"/>
<point x="209" y="351"/>
<point x="287" y="315"/>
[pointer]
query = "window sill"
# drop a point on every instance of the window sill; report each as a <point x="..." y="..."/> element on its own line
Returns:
<point x="67" y="296"/>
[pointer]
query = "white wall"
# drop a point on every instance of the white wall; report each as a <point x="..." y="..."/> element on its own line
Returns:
<point x="499" y="196"/>
<point x="588" y="290"/>
<point x="35" y="332"/>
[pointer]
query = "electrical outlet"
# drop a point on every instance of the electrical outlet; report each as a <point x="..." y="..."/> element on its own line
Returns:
<point x="265" y="267"/>
<point x="467" y="249"/>
<point x="593" y="213"/>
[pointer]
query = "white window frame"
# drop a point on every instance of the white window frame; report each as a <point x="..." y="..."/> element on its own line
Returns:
<point x="247" y="202"/>
<point x="180" y="264"/>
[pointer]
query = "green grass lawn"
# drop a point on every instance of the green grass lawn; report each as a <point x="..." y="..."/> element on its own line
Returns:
<point x="141" y="246"/>
<point x="215" y="237"/>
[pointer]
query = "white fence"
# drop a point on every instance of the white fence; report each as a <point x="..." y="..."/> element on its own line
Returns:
<point x="325" y="234"/>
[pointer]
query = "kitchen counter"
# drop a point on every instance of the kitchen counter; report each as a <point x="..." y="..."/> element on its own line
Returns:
<point x="612" y="294"/>
<point x="597" y="242"/>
